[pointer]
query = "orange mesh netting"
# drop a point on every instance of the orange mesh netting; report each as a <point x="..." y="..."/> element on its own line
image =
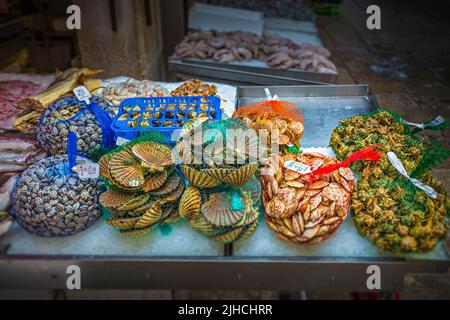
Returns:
<point x="280" y="109"/>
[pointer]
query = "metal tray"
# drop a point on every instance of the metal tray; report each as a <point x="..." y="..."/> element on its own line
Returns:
<point x="184" y="259"/>
<point x="245" y="74"/>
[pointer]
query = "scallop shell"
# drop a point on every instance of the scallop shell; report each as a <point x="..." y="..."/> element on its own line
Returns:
<point x="134" y="203"/>
<point x="218" y="173"/>
<point x="199" y="223"/>
<point x="250" y="230"/>
<point x="198" y="178"/>
<point x="138" y="232"/>
<point x="153" y="155"/>
<point x="242" y="175"/>
<point x="190" y="203"/>
<point x="170" y="185"/>
<point x="174" y="195"/>
<point x="151" y="216"/>
<point x="229" y="236"/>
<point x="123" y="223"/>
<point x="125" y="171"/>
<point x="154" y="182"/>
<point x="140" y="210"/>
<point x="218" y="211"/>
<point x="112" y="199"/>
<point x="254" y="187"/>
<point x="103" y="164"/>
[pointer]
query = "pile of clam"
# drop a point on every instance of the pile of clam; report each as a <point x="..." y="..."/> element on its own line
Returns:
<point x="194" y="87"/>
<point x="275" y="51"/>
<point x="68" y="114"/>
<point x="224" y="215"/>
<point x="144" y="186"/>
<point x="223" y="193"/>
<point x="50" y="200"/>
<point x="302" y="208"/>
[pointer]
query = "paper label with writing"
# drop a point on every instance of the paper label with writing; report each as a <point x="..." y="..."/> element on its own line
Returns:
<point x="395" y="161"/>
<point x="82" y="94"/>
<point x="121" y="141"/>
<point x="87" y="170"/>
<point x="297" y="167"/>
<point x="436" y="122"/>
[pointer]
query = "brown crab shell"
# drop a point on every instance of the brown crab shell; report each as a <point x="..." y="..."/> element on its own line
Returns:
<point x="217" y="210"/>
<point x="154" y="182"/>
<point x="125" y="171"/>
<point x="153" y="154"/>
<point x="199" y="179"/>
<point x="112" y="199"/>
<point x="190" y="203"/>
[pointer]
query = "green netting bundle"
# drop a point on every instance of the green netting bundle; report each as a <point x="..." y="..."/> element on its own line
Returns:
<point x="398" y="216"/>
<point x="223" y="214"/>
<point x="144" y="187"/>
<point x="218" y="153"/>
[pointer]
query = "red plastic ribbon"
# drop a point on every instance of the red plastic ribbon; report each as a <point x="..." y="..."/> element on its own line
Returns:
<point x="367" y="153"/>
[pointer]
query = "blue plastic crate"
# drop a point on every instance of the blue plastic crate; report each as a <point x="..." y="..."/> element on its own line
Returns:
<point x="137" y="116"/>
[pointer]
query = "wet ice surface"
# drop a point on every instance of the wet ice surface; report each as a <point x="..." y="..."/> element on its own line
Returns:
<point x="102" y="239"/>
<point x="345" y="243"/>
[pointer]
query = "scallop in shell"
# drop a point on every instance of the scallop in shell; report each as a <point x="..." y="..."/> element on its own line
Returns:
<point x="125" y="171"/>
<point x="103" y="164"/>
<point x="112" y="199"/>
<point x="154" y="156"/>
<point x="154" y="182"/>
<point x="134" y="203"/>
<point x="218" y="210"/>
<point x="240" y="176"/>
<point x="190" y="203"/>
<point x="151" y="216"/>
<point x="170" y="185"/>
<point x="198" y="178"/>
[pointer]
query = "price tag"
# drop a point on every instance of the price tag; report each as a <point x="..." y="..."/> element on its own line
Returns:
<point x="87" y="170"/>
<point x="121" y="141"/>
<point x="397" y="164"/>
<point x="82" y="94"/>
<point x="297" y="167"/>
<point x="436" y="122"/>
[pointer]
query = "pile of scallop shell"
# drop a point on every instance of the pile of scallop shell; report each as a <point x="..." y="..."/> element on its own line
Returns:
<point x="224" y="215"/>
<point x="222" y="198"/>
<point x="144" y="189"/>
<point x="230" y="164"/>
<point x="305" y="208"/>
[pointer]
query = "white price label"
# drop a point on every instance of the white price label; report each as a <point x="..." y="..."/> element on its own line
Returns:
<point x="87" y="170"/>
<point x="297" y="167"/>
<point x="121" y="141"/>
<point x="82" y="94"/>
<point x="397" y="164"/>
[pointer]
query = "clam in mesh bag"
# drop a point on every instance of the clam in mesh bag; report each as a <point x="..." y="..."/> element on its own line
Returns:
<point x="51" y="200"/>
<point x="223" y="214"/>
<point x="282" y="120"/>
<point x="91" y="123"/>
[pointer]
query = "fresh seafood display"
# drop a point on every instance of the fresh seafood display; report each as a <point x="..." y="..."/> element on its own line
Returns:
<point x="224" y="215"/>
<point x="137" y="214"/>
<point x="396" y="215"/>
<point x="388" y="208"/>
<point x="275" y="51"/>
<point x="218" y="153"/>
<point x="301" y="208"/>
<point x="50" y="200"/>
<point x="18" y="151"/>
<point x="380" y="128"/>
<point x="144" y="187"/>
<point x="7" y="183"/>
<point x="194" y="87"/>
<point x="31" y="108"/>
<point x="68" y="114"/>
<point x="281" y="120"/>
<point x="115" y="93"/>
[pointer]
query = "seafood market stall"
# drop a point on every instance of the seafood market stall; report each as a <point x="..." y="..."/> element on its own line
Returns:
<point x="228" y="238"/>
